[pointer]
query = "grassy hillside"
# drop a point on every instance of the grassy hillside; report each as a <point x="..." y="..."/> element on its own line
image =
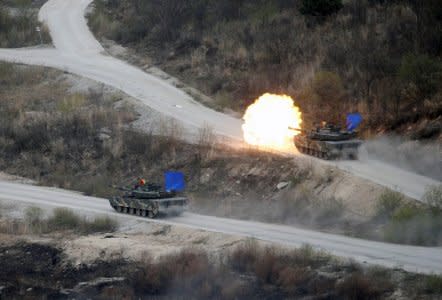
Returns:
<point x="382" y="58"/>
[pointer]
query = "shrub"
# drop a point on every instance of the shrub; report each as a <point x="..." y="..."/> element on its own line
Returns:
<point x="320" y="7"/>
<point x="406" y="213"/>
<point x="244" y="257"/>
<point x="307" y="256"/>
<point x="268" y="266"/>
<point x="433" y="284"/>
<point x="64" y="219"/>
<point x="389" y="201"/>
<point x="99" y="224"/>
<point x="18" y="30"/>
<point x="414" y="225"/>
<point x="33" y="218"/>
<point x="185" y="272"/>
<point x="359" y="286"/>
<point x="433" y="196"/>
<point x="291" y="278"/>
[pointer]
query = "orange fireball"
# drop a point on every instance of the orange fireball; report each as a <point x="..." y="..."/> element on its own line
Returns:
<point x="268" y="120"/>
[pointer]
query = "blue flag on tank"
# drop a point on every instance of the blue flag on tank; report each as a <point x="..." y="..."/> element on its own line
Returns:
<point x="353" y="121"/>
<point x="174" y="181"/>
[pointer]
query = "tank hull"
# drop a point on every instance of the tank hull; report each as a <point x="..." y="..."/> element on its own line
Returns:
<point x="328" y="149"/>
<point x="148" y="207"/>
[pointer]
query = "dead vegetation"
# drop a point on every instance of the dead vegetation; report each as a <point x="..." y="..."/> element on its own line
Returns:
<point x="249" y="271"/>
<point x="60" y="220"/>
<point x="381" y="58"/>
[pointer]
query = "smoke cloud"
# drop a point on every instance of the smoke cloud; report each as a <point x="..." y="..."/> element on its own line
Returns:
<point x="414" y="156"/>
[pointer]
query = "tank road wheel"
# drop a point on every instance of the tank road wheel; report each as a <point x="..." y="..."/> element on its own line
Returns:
<point x="152" y="211"/>
<point x="133" y="211"/>
<point x="143" y="212"/>
<point x="127" y="210"/>
<point x="156" y="209"/>
<point x="149" y="211"/>
<point x="120" y="209"/>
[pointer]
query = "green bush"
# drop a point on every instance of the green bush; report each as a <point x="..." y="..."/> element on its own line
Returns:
<point x="433" y="284"/>
<point x="414" y="225"/>
<point x="320" y="7"/>
<point x="389" y="201"/>
<point x="406" y="213"/>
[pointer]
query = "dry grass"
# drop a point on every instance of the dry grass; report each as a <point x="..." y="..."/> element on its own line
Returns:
<point x="60" y="220"/>
<point x="270" y="273"/>
<point x="359" y="287"/>
<point x="356" y="59"/>
<point x="18" y="29"/>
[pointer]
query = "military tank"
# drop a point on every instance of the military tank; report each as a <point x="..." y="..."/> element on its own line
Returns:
<point x="149" y="200"/>
<point x="328" y="142"/>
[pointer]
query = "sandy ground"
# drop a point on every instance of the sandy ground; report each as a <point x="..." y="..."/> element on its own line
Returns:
<point x="143" y="240"/>
<point x="134" y="239"/>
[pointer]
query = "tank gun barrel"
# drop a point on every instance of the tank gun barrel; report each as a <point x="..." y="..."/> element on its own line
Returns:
<point x="296" y="129"/>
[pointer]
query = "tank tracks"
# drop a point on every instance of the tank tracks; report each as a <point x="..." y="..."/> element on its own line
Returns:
<point x="314" y="152"/>
<point x="151" y="212"/>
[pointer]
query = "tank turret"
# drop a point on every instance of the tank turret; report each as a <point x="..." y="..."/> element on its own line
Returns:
<point x="330" y="141"/>
<point x="148" y="200"/>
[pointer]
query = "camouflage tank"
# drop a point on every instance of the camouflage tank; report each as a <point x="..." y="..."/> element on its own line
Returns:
<point x="148" y="201"/>
<point x="328" y="142"/>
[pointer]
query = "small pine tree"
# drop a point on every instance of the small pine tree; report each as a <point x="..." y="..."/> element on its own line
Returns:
<point x="320" y="7"/>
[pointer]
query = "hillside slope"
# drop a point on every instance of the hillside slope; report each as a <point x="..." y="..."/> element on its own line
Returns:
<point x="379" y="57"/>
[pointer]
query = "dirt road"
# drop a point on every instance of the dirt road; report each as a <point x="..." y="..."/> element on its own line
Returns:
<point x="411" y="258"/>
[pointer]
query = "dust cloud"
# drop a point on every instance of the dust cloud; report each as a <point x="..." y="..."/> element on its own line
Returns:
<point x="415" y="156"/>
